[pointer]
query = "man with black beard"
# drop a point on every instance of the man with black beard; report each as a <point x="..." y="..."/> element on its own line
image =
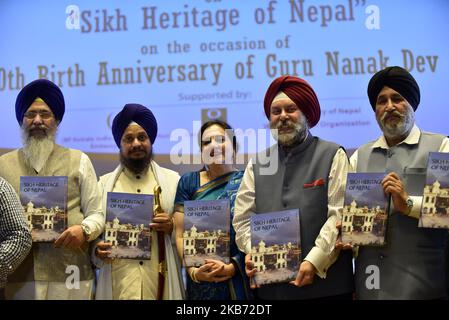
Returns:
<point x="310" y="176"/>
<point x="412" y="265"/>
<point x="135" y="130"/>
<point x="39" y="110"/>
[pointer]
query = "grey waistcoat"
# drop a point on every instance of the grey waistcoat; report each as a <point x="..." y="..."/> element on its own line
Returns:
<point x="307" y="162"/>
<point x="44" y="262"/>
<point x="412" y="265"/>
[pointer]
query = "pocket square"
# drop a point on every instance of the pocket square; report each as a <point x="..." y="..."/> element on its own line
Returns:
<point x="319" y="182"/>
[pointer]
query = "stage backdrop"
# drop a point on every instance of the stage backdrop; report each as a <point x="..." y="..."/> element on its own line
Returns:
<point x="196" y="60"/>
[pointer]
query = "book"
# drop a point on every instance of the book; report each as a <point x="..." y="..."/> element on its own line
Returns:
<point x="365" y="210"/>
<point x="275" y="246"/>
<point x="128" y="218"/>
<point x="44" y="200"/>
<point x="435" y="203"/>
<point x="206" y="231"/>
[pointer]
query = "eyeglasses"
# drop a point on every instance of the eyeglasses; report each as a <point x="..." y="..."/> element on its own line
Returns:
<point x="43" y="114"/>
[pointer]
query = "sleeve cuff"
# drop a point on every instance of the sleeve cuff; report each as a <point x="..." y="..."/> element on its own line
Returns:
<point x="416" y="210"/>
<point x="319" y="260"/>
<point x="93" y="229"/>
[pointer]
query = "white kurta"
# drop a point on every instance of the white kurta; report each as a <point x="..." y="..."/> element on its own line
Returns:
<point x="137" y="279"/>
<point x="324" y="253"/>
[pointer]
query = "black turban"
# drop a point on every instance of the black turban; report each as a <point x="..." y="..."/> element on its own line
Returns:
<point x="140" y="115"/>
<point x="397" y="79"/>
<point x="47" y="91"/>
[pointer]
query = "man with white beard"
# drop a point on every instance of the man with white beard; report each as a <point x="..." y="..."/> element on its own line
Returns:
<point x="413" y="264"/>
<point x="39" y="110"/>
<point x="310" y="176"/>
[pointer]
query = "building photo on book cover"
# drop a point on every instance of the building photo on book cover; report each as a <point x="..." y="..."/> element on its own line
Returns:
<point x="275" y="246"/>
<point x="128" y="218"/>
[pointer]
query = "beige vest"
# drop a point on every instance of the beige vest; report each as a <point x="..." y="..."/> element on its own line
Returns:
<point x="46" y="263"/>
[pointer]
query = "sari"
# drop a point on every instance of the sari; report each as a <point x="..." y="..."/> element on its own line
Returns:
<point x="223" y="187"/>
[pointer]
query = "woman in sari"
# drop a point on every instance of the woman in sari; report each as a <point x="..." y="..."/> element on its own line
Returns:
<point x="219" y="179"/>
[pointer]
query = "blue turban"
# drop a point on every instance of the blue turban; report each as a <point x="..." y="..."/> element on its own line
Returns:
<point x="137" y="113"/>
<point x="47" y="91"/>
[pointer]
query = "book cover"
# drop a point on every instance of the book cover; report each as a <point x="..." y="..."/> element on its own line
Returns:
<point x="44" y="201"/>
<point x="365" y="210"/>
<point x="206" y="231"/>
<point x="435" y="202"/>
<point x="128" y="218"/>
<point x="276" y="246"/>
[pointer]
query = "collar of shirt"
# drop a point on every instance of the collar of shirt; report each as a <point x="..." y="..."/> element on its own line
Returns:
<point x="135" y="176"/>
<point x="412" y="138"/>
<point x="131" y="182"/>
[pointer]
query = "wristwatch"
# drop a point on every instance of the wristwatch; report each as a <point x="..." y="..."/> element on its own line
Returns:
<point x="86" y="231"/>
<point x="409" y="202"/>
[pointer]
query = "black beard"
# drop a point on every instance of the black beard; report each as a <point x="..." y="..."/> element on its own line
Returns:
<point x="136" y="165"/>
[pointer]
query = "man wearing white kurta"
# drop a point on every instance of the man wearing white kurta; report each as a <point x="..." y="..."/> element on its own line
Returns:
<point x="135" y="130"/>
<point x="310" y="176"/>
<point x="413" y="263"/>
<point x="60" y="270"/>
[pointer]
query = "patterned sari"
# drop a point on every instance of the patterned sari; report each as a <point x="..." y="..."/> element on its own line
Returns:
<point x="223" y="187"/>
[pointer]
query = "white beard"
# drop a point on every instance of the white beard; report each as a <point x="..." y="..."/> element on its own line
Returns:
<point x="37" y="151"/>
<point x="401" y="128"/>
<point x="289" y="139"/>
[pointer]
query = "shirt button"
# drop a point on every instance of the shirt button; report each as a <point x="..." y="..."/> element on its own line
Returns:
<point x="141" y="263"/>
<point x="138" y="190"/>
<point x="381" y="256"/>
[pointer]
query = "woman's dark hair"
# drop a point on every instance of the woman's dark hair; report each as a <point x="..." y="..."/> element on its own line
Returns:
<point x="226" y="127"/>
